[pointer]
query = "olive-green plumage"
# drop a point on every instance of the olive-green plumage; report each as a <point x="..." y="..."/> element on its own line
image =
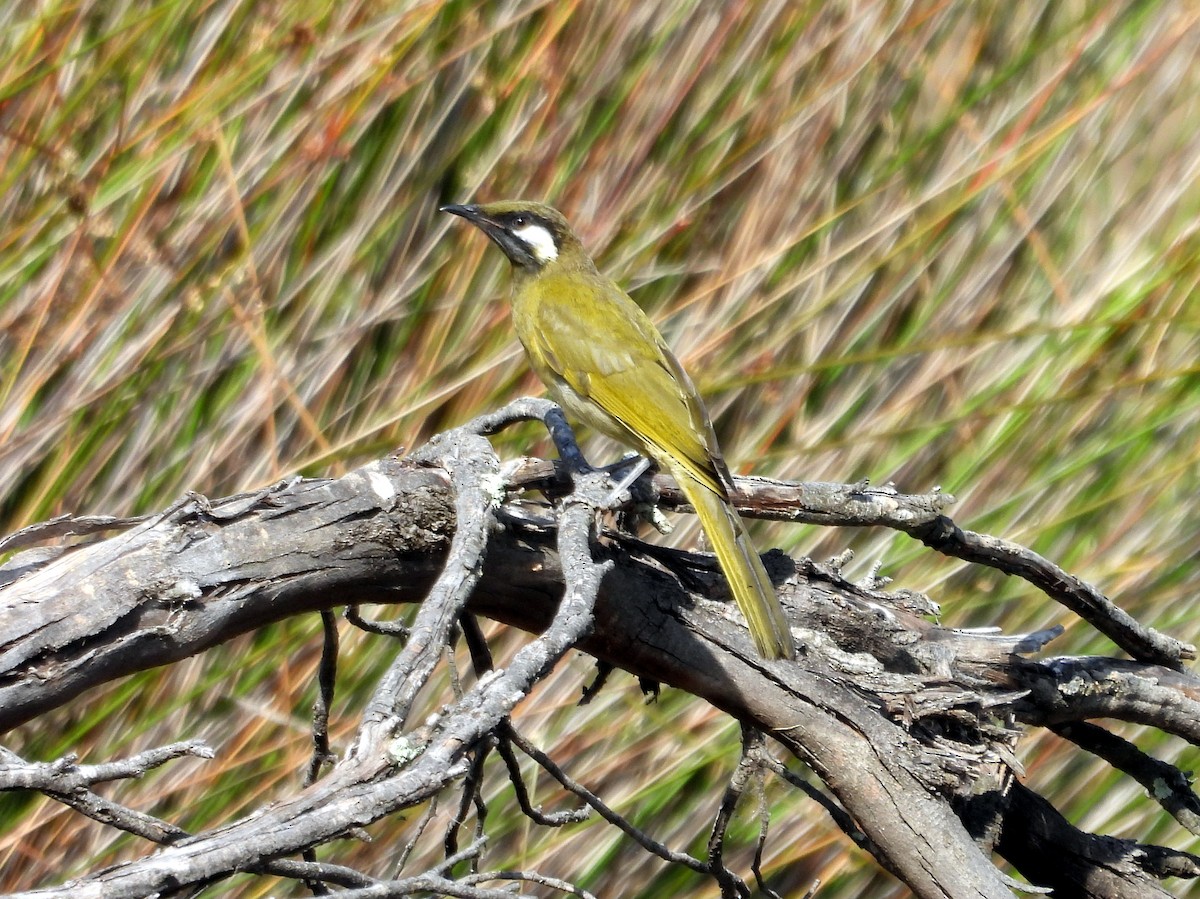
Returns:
<point x="605" y="363"/>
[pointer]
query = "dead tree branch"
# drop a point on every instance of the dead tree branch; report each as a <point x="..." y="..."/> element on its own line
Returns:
<point x="910" y="726"/>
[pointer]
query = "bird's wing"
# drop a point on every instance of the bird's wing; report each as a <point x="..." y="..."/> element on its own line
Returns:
<point x="631" y="375"/>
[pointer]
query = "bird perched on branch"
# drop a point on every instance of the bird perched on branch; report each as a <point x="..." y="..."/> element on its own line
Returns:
<point x="606" y="364"/>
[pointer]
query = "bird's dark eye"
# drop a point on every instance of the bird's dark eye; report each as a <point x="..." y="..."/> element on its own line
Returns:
<point x="519" y="221"/>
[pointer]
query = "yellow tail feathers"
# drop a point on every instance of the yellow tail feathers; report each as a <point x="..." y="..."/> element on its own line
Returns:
<point x="742" y="567"/>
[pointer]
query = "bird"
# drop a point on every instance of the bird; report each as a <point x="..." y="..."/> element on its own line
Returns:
<point x="606" y="364"/>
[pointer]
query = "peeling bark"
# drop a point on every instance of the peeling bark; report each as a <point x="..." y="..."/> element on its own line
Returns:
<point x="910" y="726"/>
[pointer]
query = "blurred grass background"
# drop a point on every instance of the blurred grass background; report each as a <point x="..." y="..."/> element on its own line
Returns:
<point x="928" y="242"/>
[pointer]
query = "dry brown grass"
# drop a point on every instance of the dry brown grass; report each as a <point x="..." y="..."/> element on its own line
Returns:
<point x="933" y="243"/>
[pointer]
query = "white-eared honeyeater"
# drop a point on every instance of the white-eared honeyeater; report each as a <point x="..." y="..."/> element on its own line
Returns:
<point x="606" y="364"/>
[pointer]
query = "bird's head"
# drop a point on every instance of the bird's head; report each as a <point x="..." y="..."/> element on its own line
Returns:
<point x="532" y="235"/>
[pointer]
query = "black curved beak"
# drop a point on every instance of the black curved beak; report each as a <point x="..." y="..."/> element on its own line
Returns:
<point x="470" y="211"/>
<point x="516" y="251"/>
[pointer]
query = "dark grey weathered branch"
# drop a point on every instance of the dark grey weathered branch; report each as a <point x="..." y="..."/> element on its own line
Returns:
<point x="390" y="768"/>
<point x="1165" y="784"/>
<point x="1143" y="643"/>
<point x="923" y="517"/>
<point x="907" y="723"/>
<point x="65" y="775"/>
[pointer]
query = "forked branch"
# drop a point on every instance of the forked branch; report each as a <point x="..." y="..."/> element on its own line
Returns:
<point x="908" y="725"/>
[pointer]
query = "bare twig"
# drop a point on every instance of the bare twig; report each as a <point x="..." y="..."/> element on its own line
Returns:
<point x="643" y="839"/>
<point x="418" y="830"/>
<point x="1164" y="783"/>
<point x="535" y="814"/>
<point x="732" y="886"/>
<point x="754" y="749"/>
<point x="316" y="872"/>
<point x="843" y="820"/>
<point x="326" y="684"/>
<point x="68" y="783"/>
<point x="472" y="795"/>
<point x="65" y="775"/>
<point x="396" y="629"/>
<point x="536" y="409"/>
<point x="592" y="690"/>
<point x="474" y="469"/>
<point x="1143" y="643"/>
<point x="426" y="883"/>
<point x="554" y="883"/>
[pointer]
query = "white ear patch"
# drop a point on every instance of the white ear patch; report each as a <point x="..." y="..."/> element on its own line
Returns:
<point x="540" y="242"/>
